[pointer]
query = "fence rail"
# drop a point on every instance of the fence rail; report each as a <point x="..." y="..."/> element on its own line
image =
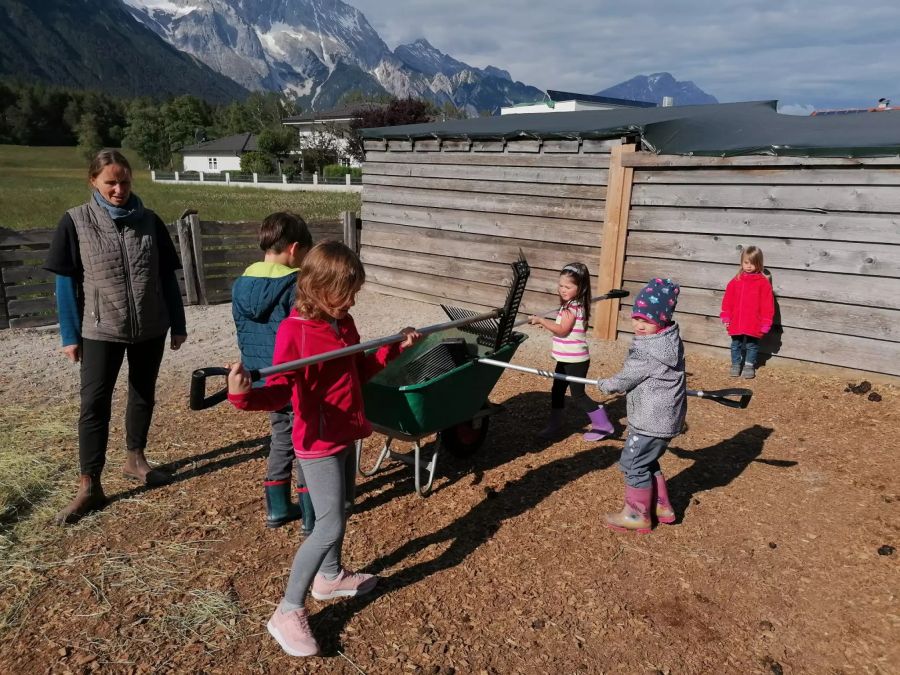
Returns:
<point x="213" y="254"/>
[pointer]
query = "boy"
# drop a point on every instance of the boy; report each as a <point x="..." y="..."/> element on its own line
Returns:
<point x="260" y="299"/>
<point x="653" y="378"/>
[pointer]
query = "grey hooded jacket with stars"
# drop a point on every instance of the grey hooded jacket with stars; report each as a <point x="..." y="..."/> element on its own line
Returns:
<point x="653" y="378"/>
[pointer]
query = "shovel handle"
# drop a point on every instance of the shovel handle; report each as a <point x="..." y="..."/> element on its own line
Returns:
<point x="198" y="398"/>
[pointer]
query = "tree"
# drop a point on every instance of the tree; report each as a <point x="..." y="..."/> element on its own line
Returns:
<point x="277" y="142"/>
<point x="146" y="133"/>
<point x="256" y="162"/>
<point x="319" y="148"/>
<point x="185" y="117"/>
<point x="89" y="139"/>
<point x="398" y="111"/>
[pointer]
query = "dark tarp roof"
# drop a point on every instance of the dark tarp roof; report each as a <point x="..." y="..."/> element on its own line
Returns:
<point x="724" y="129"/>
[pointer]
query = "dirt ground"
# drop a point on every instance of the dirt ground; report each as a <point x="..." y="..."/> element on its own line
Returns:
<point x="781" y="561"/>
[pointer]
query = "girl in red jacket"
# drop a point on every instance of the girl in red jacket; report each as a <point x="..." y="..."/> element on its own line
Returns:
<point x="747" y="311"/>
<point x="327" y="402"/>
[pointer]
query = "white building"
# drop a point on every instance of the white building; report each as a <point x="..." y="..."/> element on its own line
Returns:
<point x="222" y="154"/>
<point x="335" y="123"/>
<point x="567" y="101"/>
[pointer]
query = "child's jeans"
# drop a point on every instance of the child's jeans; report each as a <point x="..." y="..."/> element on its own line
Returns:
<point x="332" y="484"/>
<point x="741" y="344"/>
<point x="640" y="458"/>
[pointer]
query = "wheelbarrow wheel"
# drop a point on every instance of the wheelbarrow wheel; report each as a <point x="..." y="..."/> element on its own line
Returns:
<point x="465" y="438"/>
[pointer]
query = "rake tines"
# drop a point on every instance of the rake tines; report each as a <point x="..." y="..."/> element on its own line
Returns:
<point x="439" y="359"/>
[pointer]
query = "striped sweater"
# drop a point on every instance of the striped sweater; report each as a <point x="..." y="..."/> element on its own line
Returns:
<point x="571" y="348"/>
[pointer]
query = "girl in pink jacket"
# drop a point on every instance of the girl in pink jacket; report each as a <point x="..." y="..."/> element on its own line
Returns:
<point x="747" y="312"/>
<point x="327" y="403"/>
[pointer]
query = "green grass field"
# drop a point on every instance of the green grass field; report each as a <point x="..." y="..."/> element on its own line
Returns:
<point x="37" y="185"/>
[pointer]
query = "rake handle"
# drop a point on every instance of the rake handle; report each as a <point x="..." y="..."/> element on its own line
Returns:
<point x="609" y="295"/>
<point x="719" y="395"/>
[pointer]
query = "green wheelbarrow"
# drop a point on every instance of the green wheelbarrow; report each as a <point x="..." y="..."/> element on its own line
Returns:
<point x="452" y="405"/>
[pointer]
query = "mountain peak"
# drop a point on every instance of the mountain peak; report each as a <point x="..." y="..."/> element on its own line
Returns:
<point x="656" y="86"/>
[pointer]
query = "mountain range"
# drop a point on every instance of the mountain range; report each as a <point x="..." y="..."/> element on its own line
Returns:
<point x="312" y="50"/>
<point x="96" y="44"/>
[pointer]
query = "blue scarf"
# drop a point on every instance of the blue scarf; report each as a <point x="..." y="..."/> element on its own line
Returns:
<point x="131" y="212"/>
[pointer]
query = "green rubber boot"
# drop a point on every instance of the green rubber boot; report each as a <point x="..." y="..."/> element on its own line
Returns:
<point x="306" y="508"/>
<point x="280" y="510"/>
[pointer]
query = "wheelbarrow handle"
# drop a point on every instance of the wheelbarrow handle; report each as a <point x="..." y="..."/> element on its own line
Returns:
<point x="609" y="295"/>
<point x="200" y="401"/>
<point x="722" y="396"/>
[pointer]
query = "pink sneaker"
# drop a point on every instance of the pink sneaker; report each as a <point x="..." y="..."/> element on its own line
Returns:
<point x="345" y="584"/>
<point x="291" y="630"/>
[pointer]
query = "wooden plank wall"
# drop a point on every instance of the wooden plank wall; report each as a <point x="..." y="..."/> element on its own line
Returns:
<point x="829" y="230"/>
<point x="442" y="221"/>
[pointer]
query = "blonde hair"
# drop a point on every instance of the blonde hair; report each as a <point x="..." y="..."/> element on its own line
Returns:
<point x="331" y="274"/>
<point x="755" y="255"/>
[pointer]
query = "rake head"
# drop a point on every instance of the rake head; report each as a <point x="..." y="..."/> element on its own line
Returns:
<point x="439" y="359"/>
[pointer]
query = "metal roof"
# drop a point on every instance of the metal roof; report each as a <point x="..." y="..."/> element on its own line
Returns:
<point x="558" y="96"/>
<point x="236" y="144"/>
<point x="721" y="129"/>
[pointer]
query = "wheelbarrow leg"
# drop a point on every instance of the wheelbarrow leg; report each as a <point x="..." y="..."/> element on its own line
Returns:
<point x="423" y="490"/>
<point x="385" y="451"/>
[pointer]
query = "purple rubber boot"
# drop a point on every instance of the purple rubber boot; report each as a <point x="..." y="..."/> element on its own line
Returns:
<point x="601" y="427"/>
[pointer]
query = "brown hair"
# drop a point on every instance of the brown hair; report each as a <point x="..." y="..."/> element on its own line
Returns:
<point x="754" y="255"/>
<point x="578" y="272"/>
<point x="280" y="230"/>
<point x="330" y="276"/>
<point x="103" y="159"/>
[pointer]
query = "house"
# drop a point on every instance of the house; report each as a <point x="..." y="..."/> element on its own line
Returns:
<point x="332" y="124"/>
<point x="567" y="101"/>
<point x="640" y="192"/>
<point x="222" y="154"/>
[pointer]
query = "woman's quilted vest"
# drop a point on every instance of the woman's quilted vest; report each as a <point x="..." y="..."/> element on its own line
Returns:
<point x="123" y="299"/>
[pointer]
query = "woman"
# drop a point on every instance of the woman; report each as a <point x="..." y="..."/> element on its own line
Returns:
<point x="117" y="296"/>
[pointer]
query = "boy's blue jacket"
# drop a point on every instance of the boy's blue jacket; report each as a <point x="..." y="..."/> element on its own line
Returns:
<point x="260" y="300"/>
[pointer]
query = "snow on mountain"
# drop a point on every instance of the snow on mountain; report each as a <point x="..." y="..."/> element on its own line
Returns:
<point x="318" y="50"/>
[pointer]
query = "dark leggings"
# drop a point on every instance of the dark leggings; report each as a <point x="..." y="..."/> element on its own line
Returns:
<point x="100" y="365"/>
<point x="558" y="392"/>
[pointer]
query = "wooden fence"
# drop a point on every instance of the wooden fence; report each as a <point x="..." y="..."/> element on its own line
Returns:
<point x="442" y="221"/>
<point x="212" y="254"/>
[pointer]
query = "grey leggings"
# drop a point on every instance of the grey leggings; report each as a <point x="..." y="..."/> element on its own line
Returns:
<point x="332" y="484"/>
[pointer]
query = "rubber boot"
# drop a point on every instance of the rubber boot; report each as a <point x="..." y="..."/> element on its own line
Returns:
<point x="306" y="508"/>
<point x="664" y="512"/>
<point x="601" y="427"/>
<point x="280" y="510"/>
<point x="554" y="425"/>
<point x="635" y="513"/>
<point x="749" y="371"/>
<point x="137" y="468"/>
<point x="89" y="498"/>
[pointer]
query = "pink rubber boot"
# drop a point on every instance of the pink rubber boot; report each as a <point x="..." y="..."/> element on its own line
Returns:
<point x="664" y="511"/>
<point x="635" y="514"/>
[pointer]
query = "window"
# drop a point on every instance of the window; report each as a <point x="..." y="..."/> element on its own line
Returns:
<point x="214" y="163"/>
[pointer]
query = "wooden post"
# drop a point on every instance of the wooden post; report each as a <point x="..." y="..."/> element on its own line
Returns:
<point x="197" y="245"/>
<point x="4" y="309"/>
<point x="612" y="250"/>
<point x="350" y="235"/>
<point x="188" y="265"/>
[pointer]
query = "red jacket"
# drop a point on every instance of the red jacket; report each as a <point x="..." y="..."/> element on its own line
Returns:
<point x="749" y="305"/>
<point x="326" y="397"/>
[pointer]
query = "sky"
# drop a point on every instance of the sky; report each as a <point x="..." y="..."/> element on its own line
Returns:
<point x="807" y="54"/>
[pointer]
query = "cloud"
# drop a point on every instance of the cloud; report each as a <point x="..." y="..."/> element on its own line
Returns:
<point x="819" y="52"/>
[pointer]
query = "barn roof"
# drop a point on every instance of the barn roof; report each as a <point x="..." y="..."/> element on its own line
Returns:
<point x="723" y="129"/>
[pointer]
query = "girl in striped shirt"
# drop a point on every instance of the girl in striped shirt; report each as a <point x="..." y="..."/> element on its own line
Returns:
<point x="570" y="347"/>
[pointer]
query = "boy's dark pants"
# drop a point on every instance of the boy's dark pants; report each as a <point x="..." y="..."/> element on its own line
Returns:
<point x="100" y="365"/>
<point x="281" y="448"/>
<point x="640" y="458"/>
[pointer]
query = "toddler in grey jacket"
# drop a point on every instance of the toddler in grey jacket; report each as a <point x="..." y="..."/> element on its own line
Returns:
<point x="654" y="381"/>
